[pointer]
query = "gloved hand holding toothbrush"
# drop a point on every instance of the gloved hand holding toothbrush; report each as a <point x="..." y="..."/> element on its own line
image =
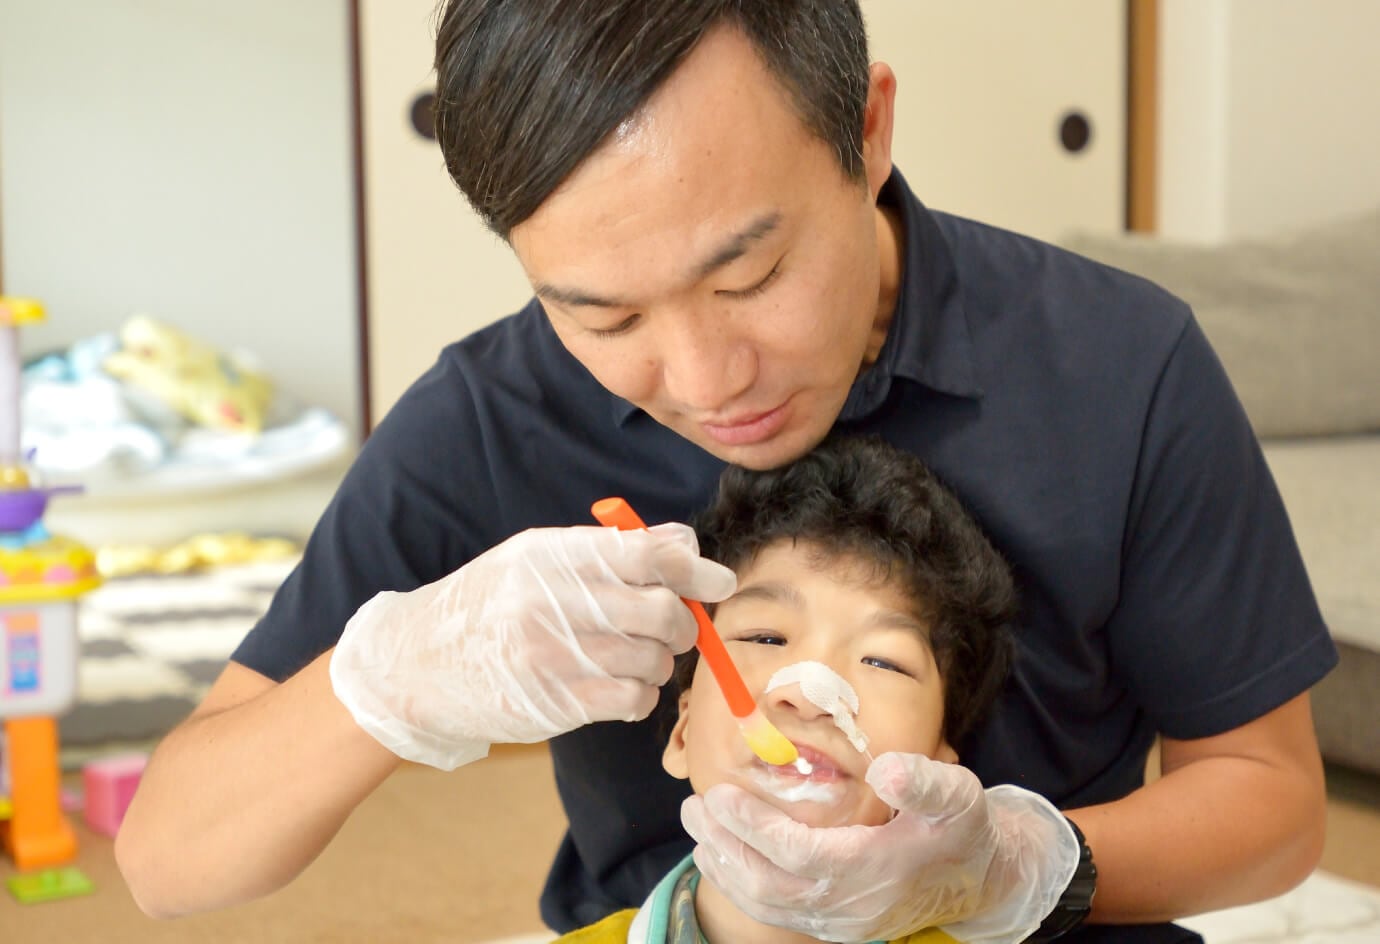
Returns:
<point x="551" y="630"/>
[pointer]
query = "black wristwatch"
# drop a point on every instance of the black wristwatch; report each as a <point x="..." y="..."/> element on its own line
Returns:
<point x="1076" y="901"/>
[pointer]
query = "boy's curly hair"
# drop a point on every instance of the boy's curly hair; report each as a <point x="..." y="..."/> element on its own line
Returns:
<point x="861" y="498"/>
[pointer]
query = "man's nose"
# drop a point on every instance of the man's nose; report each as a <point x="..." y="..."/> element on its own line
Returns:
<point x="706" y="366"/>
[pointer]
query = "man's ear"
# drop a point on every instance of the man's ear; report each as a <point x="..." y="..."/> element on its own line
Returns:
<point x="676" y="758"/>
<point x="878" y="122"/>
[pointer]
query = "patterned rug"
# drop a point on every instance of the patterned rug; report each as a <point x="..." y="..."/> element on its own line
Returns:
<point x="150" y="648"/>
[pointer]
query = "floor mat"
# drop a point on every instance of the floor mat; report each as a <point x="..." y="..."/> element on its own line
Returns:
<point x="152" y="645"/>
<point x="1325" y="909"/>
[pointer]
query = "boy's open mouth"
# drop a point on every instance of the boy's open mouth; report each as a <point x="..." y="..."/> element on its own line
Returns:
<point x="819" y="767"/>
<point x="826" y="784"/>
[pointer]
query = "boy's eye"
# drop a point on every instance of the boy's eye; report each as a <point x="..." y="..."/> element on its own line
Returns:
<point x="764" y="639"/>
<point x="884" y="664"/>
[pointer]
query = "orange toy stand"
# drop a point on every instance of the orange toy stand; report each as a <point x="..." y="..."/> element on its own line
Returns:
<point x="37" y="834"/>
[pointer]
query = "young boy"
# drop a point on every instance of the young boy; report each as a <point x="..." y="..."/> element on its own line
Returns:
<point x="870" y="616"/>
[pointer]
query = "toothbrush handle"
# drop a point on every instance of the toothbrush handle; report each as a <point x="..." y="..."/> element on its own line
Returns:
<point x="617" y="513"/>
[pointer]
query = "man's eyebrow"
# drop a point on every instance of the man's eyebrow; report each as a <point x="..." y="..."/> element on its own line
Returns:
<point x="732" y="248"/>
<point x="574" y="297"/>
<point x="736" y="245"/>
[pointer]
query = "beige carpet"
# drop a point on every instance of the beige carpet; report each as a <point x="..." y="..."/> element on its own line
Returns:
<point x="430" y="857"/>
<point x="456" y="858"/>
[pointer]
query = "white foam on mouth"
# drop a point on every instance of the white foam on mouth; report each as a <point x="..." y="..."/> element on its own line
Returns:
<point x="827" y="691"/>
<point x="796" y="791"/>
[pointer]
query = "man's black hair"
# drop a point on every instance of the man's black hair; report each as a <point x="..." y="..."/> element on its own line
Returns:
<point x="862" y="499"/>
<point x="527" y="89"/>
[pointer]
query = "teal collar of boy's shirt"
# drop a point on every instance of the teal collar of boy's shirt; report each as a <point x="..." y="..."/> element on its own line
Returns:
<point x="668" y="914"/>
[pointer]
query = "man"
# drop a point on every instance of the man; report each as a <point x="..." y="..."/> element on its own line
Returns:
<point x="727" y="267"/>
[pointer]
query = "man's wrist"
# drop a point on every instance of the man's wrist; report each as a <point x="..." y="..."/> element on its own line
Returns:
<point x="1075" y="903"/>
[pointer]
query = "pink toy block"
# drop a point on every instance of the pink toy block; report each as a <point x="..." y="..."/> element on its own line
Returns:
<point x="110" y="784"/>
<point x="70" y="800"/>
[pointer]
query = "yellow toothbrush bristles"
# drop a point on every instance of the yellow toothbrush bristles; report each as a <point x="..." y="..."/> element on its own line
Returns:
<point x="767" y="742"/>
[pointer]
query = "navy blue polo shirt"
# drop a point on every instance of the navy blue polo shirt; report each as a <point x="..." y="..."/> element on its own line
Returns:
<point x="1077" y="411"/>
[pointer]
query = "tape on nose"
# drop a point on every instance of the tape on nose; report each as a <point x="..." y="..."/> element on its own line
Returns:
<point x="826" y="690"/>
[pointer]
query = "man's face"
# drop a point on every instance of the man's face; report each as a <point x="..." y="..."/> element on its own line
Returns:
<point x="794" y="605"/>
<point x="712" y="264"/>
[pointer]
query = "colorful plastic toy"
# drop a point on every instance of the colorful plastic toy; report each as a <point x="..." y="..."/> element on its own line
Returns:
<point x="41" y="577"/>
<point x="110" y="783"/>
<point x="49" y="885"/>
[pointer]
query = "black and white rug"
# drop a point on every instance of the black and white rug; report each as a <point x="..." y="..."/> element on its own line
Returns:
<point x="152" y="645"/>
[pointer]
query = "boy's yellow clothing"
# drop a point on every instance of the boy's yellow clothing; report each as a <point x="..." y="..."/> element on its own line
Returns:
<point x="614" y="930"/>
<point x="667" y="917"/>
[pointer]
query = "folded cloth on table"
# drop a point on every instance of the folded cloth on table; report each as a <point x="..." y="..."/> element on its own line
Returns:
<point x="82" y="423"/>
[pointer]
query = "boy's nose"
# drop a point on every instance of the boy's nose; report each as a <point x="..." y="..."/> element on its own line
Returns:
<point x="792" y="698"/>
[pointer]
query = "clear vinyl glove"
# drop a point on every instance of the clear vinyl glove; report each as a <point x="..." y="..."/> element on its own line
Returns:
<point x="550" y="630"/>
<point x="983" y="865"/>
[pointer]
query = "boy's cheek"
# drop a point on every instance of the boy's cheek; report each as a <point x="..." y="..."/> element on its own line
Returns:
<point x="712" y="731"/>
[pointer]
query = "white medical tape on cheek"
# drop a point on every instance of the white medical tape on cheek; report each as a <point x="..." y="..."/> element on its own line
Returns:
<point x="827" y="691"/>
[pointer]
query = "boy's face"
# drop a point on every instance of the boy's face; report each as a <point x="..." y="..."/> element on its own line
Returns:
<point x="793" y="606"/>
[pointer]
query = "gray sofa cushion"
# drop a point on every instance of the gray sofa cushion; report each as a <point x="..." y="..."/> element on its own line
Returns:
<point x="1332" y="491"/>
<point x="1295" y="319"/>
<point x="1344" y="710"/>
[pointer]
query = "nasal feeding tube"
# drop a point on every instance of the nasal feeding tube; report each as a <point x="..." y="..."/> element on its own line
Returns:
<point x="828" y="691"/>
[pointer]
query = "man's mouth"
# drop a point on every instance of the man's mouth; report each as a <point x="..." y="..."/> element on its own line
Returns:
<point x="747" y="430"/>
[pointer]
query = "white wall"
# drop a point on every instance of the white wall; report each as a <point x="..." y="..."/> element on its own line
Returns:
<point x="436" y="273"/>
<point x="981" y="87"/>
<point x="1269" y="114"/>
<point x="192" y="161"/>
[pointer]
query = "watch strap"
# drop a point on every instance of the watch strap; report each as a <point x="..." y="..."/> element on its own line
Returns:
<point x="1076" y="901"/>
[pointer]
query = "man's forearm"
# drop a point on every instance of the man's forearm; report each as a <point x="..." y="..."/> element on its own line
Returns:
<point x="236" y="802"/>
<point x="1234" y="819"/>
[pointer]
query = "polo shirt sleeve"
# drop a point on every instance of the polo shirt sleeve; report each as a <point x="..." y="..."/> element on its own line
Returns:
<point x="1216" y="622"/>
<point x="410" y="510"/>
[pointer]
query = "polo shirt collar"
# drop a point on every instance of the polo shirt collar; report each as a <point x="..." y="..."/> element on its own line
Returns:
<point x="929" y="341"/>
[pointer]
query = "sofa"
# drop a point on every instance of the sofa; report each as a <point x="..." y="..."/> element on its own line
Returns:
<point x="1295" y="320"/>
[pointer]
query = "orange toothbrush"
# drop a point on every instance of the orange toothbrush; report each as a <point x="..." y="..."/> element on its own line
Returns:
<point x="766" y="742"/>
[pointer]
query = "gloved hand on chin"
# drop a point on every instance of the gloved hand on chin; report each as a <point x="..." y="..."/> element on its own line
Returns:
<point x="550" y="630"/>
<point x="982" y="865"/>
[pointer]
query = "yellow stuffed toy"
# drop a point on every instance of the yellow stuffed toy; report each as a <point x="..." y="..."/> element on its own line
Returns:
<point x="209" y="388"/>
